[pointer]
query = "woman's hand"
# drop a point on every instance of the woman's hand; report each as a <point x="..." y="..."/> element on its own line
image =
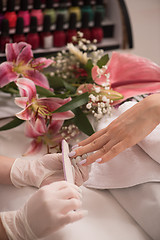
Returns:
<point x="125" y="131"/>
<point x="43" y="171"/>
<point x="48" y="210"/>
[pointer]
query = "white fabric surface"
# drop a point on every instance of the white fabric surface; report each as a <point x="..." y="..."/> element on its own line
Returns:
<point x="107" y="220"/>
<point x="136" y="165"/>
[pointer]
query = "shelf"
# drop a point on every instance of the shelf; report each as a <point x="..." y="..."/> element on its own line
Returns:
<point x="107" y="44"/>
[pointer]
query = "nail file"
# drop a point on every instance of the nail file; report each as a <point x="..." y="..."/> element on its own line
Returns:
<point x="67" y="166"/>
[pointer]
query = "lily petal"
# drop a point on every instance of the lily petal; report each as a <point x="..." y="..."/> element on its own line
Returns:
<point x="34" y="147"/>
<point x="26" y="88"/>
<point x="25" y="114"/>
<point x="40" y="126"/>
<point x="38" y="78"/>
<point x="21" y="101"/>
<point x="12" y="51"/>
<point x="7" y="74"/>
<point x="40" y="63"/>
<point x="63" y="115"/>
<point x="34" y="129"/>
<point x="25" y="55"/>
<point x="53" y="103"/>
<point x="55" y="126"/>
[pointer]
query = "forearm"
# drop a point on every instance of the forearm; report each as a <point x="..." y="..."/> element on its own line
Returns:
<point x="153" y="104"/>
<point x="5" y="167"/>
<point x="3" y="235"/>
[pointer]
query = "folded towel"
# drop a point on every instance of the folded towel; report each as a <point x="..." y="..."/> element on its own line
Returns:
<point x="136" y="165"/>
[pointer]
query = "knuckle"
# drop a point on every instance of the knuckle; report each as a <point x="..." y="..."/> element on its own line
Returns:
<point x="76" y="203"/>
<point x="114" y="150"/>
<point x="103" y="150"/>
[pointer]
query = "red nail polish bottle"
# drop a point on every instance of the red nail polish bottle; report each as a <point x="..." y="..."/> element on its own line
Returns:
<point x="33" y="37"/>
<point x="24" y="13"/>
<point x="10" y="15"/>
<point x="37" y="12"/>
<point x="59" y="36"/>
<point x="85" y="26"/>
<point x="46" y="38"/>
<point x="4" y="38"/>
<point x="19" y="36"/>
<point x="97" y="30"/>
<point x="72" y="27"/>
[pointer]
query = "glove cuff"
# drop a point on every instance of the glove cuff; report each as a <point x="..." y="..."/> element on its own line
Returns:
<point x="16" y="226"/>
<point x="26" y="172"/>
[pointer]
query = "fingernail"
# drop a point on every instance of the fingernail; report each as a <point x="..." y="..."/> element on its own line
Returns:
<point x="75" y="146"/>
<point x="99" y="160"/>
<point x="71" y="154"/>
<point x="83" y="161"/>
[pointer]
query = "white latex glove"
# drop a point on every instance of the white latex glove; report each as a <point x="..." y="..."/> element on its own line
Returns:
<point x="48" y="210"/>
<point x="43" y="171"/>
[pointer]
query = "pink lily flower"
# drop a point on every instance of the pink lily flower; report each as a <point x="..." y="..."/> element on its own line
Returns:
<point x="43" y="134"/>
<point x="129" y="75"/>
<point x="20" y="63"/>
<point x="38" y="107"/>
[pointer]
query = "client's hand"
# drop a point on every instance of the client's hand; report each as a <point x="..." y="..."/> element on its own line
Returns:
<point x="48" y="210"/>
<point x="43" y="171"/>
<point x="125" y="131"/>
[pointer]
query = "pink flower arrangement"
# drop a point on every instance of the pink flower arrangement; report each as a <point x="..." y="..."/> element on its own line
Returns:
<point x="55" y="104"/>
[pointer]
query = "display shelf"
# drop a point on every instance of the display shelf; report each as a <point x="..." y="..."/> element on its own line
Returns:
<point x="116" y="27"/>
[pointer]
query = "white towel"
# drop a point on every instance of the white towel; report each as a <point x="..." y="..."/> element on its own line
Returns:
<point x="136" y="165"/>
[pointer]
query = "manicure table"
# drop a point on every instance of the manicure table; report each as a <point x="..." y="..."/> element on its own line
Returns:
<point x="106" y="220"/>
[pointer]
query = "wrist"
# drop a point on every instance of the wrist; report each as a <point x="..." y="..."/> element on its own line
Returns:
<point x="153" y="103"/>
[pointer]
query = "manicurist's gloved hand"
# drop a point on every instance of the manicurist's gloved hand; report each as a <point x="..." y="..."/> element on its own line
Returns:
<point x="43" y="171"/>
<point x="49" y="209"/>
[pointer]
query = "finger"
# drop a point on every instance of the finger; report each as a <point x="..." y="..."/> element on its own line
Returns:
<point x="70" y="205"/>
<point x="91" y="138"/>
<point x="91" y="147"/>
<point x="113" y="152"/>
<point x="74" y="216"/>
<point x="101" y="152"/>
<point x="65" y="184"/>
<point x="69" y="193"/>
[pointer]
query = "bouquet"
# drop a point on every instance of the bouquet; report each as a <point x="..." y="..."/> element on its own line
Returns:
<point x="80" y="80"/>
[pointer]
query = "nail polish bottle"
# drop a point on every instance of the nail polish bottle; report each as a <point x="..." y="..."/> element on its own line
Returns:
<point x="59" y="36"/>
<point x="100" y="8"/>
<point x="50" y="11"/>
<point x="85" y="26"/>
<point x="24" y="13"/>
<point x="63" y="10"/>
<point x="19" y="36"/>
<point x="72" y="27"/>
<point x="10" y="15"/>
<point x="97" y="30"/>
<point x="37" y="12"/>
<point x="1" y="12"/>
<point x="4" y="38"/>
<point x="46" y="37"/>
<point x="33" y="37"/>
<point x="87" y="8"/>
<point x="75" y="9"/>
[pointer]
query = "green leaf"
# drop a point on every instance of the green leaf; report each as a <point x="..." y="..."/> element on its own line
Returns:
<point x="82" y="122"/>
<point x="103" y="61"/>
<point x="44" y="92"/>
<point x="74" y="103"/>
<point x="69" y="86"/>
<point x="88" y="68"/>
<point x="14" y="123"/>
